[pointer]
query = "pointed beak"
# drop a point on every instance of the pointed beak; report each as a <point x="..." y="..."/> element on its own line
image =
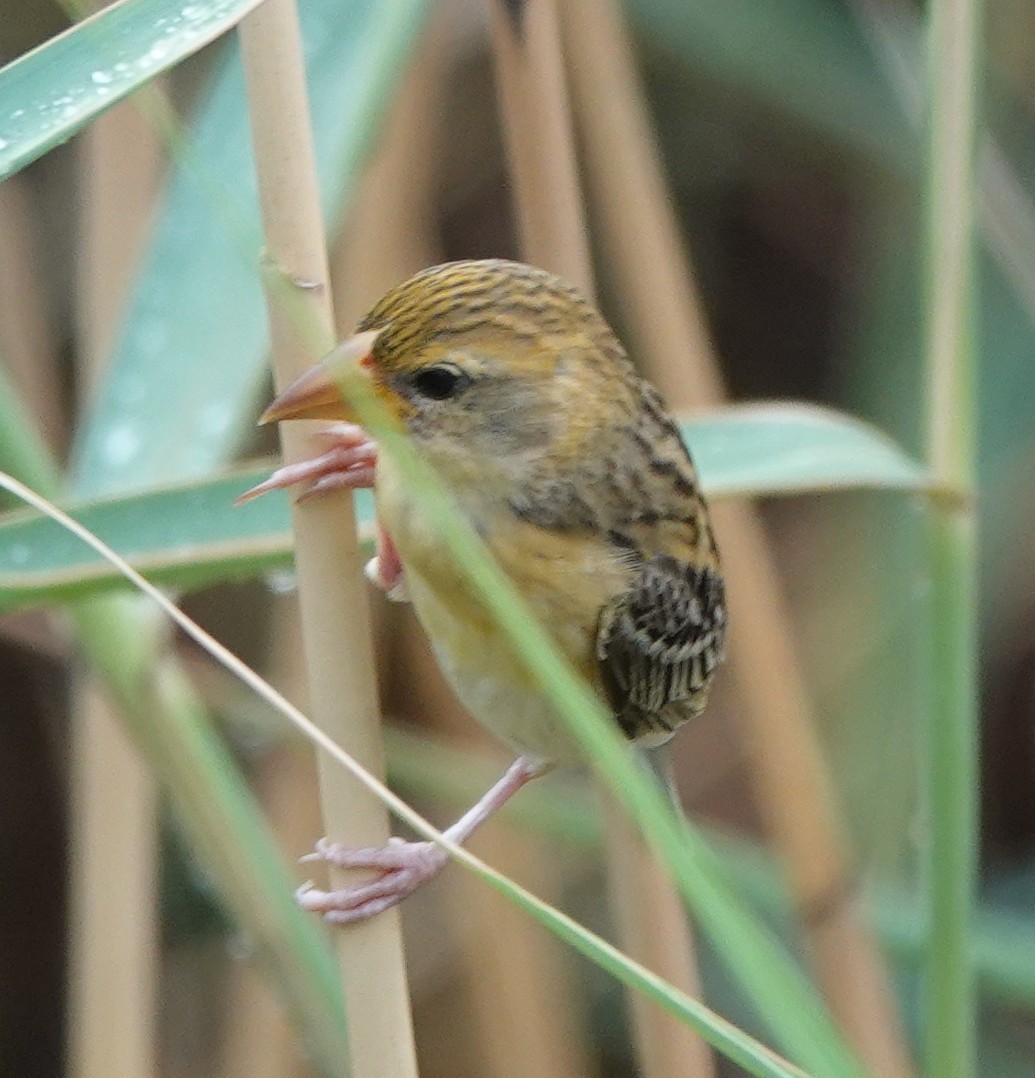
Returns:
<point x="315" y="394"/>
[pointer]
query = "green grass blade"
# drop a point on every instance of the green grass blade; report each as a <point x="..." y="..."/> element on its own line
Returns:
<point x="445" y="774"/>
<point x="722" y="1035"/>
<point x="952" y="736"/>
<point x="50" y="93"/>
<point x="784" y="998"/>
<point x="186" y="535"/>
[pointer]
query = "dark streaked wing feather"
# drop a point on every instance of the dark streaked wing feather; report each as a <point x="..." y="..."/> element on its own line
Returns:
<point x="659" y="643"/>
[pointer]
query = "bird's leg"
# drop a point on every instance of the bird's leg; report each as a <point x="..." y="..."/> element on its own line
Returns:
<point x="659" y="760"/>
<point x="403" y="866"/>
<point x="347" y="463"/>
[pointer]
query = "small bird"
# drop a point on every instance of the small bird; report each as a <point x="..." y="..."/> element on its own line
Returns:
<point x="517" y="392"/>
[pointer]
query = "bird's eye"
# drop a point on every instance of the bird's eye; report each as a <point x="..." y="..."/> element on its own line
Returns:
<point x="440" y="382"/>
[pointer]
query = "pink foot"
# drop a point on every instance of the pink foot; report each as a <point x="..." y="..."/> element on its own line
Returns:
<point x="404" y="867"/>
<point x="348" y="463"/>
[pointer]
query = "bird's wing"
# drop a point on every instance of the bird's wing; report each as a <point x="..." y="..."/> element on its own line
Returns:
<point x="659" y="642"/>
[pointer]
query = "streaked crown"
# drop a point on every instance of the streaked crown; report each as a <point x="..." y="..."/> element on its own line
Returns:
<point x="490" y="300"/>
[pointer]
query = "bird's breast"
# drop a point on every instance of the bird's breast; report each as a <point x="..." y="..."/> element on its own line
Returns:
<point x="566" y="578"/>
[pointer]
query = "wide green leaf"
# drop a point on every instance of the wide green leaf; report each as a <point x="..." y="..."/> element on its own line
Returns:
<point x="789" y="448"/>
<point x="50" y="93"/>
<point x="189" y="534"/>
<point x="180" y="389"/>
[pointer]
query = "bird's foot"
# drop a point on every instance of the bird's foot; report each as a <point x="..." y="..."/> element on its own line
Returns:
<point x="347" y="463"/>
<point x="403" y="866"/>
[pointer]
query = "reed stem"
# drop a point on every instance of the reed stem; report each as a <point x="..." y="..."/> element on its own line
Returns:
<point x="668" y="329"/>
<point x="335" y="625"/>
<point x="115" y="933"/>
<point x="951" y="757"/>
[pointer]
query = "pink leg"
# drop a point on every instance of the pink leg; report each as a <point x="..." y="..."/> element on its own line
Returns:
<point x="404" y="866"/>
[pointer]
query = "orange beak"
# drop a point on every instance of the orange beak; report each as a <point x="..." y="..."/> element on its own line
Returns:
<point x="315" y="394"/>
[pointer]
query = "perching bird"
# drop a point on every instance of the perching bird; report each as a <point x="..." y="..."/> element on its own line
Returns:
<point x="513" y="387"/>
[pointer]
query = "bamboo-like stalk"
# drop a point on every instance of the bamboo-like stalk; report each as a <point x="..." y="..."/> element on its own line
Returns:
<point x="551" y="219"/>
<point x="540" y="146"/>
<point x="640" y="237"/>
<point x="114" y="871"/>
<point x="1005" y="211"/>
<point x="951" y="751"/>
<point x="520" y="978"/>
<point x="389" y="231"/>
<point x="373" y="253"/>
<point x="114" y="945"/>
<point x="335" y="627"/>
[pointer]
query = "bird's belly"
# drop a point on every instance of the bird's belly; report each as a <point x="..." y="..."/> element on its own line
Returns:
<point x="490" y="681"/>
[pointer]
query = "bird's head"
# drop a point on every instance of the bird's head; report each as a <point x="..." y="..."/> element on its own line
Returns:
<point x="488" y="365"/>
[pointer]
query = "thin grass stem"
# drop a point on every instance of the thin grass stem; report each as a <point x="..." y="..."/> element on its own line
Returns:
<point x="755" y="1057"/>
<point x="951" y="747"/>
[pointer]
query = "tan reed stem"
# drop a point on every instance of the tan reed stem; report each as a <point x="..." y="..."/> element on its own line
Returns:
<point x="640" y="237"/>
<point x="389" y="231"/>
<point x="551" y="218"/>
<point x="335" y="625"/>
<point x="115" y="937"/>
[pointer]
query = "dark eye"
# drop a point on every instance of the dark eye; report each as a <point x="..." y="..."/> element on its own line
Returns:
<point x="440" y="382"/>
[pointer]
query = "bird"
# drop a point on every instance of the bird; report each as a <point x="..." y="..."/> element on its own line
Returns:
<point x="517" y="392"/>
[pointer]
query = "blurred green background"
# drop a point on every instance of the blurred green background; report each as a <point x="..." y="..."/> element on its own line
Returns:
<point x="790" y="130"/>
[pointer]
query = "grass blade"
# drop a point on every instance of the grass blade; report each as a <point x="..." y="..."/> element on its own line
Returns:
<point x="951" y="750"/>
<point x="53" y="91"/>
<point x="188" y="534"/>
